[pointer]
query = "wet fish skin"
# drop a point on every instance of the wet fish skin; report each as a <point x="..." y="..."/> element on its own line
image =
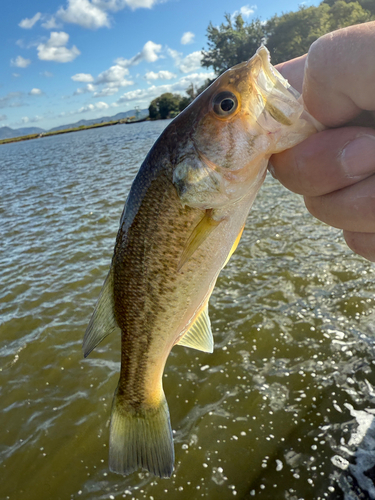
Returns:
<point x="182" y="220"/>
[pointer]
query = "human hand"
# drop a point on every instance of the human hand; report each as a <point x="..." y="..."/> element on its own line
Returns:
<point x="334" y="169"/>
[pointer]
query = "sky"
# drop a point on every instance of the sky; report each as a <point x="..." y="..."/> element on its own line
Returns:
<point x="66" y="60"/>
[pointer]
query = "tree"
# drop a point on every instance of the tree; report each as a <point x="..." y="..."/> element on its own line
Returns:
<point x="231" y="43"/>
<point x="164" y="106"/>
<point x="291" y="34"/>
<point x="287" y="36"/>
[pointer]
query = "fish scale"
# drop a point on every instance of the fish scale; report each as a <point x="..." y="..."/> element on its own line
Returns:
<point x="182" y="221"/>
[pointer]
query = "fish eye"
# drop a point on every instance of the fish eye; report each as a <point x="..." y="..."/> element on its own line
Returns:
<point x="225" y="103"/>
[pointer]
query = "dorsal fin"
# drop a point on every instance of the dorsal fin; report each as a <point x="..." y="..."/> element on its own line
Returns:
<point x="199" y="336"/>
<point x="102" y="321"/>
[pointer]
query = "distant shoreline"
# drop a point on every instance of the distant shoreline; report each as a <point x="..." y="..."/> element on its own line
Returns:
<point x="68" y="130"/>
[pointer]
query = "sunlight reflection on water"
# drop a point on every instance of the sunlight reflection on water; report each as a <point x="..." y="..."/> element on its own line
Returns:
<point x="282" y="409"/>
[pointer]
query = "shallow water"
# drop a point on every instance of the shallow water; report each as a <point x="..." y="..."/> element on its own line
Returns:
<point x="283" y="408"/>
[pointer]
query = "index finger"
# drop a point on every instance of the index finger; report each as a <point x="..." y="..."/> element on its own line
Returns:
<point x="340" y="74"/>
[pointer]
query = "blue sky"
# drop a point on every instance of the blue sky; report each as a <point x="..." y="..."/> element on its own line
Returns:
<point x="65" y="60"/>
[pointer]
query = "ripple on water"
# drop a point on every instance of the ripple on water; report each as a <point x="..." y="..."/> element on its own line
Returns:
<point x="282" y="409"/>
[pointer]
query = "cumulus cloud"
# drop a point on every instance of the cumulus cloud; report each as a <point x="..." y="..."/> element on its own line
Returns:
<point x="245" y="11"/>
<point x="29" y="23"/>
<point x="187" y="37"/>
<point x="187" y="64"/>
<point x="50" y="23"/>
<point x="106" y="91"/>
<point x="55" y="48"/>
<point x="102" y="105"/>
<point x="93" y="14"/>
<point x="82" y="77"/>
<point x="149" y="53"/>
<point x="144" y="96"/>
<point x="160" y="75"/>
<point x="20" y="62"/>
<point x="114" y="76"/>
<point x="25" y="119"/>
<point x="35" y="92"/>
<point x="87" y="88"/>
<point x="92" y="107"/>
<point x="84" y="13"/>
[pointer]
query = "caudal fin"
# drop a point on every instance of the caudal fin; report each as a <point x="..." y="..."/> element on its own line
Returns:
<point x="141" y="439"/>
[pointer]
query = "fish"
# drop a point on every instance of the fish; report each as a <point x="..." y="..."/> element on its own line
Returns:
<point x="182" y="221"/>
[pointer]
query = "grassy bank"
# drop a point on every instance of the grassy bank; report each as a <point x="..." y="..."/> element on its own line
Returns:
<point x="64" y="131"/>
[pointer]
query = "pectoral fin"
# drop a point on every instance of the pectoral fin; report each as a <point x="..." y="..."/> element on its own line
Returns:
<point x="200" y="233"/>
<point x="199" y="336"/>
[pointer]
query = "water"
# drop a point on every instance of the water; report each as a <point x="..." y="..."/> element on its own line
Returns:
<point x="284" y="407"/>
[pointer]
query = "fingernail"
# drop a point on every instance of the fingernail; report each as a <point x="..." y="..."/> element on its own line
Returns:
<point x="358" y="157"/>
<point x="272" y="170"/>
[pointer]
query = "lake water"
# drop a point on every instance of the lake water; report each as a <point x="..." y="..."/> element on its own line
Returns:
<point x="283" y="409"/>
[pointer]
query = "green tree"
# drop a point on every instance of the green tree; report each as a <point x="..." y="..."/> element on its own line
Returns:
<point x="287" y="36"/>
<point x="231" y="43"/>
<point x="291" y="34"/>
<point x="164" y="106"/>
<point x="169" y="104"/>
<point x="153" y="110"/>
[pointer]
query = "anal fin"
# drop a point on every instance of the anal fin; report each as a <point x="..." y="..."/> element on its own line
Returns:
<point x="199" y="336"/>
<point x="102" y="321"/>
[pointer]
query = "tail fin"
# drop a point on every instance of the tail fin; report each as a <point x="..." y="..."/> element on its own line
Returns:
<point x="141" y="439"/>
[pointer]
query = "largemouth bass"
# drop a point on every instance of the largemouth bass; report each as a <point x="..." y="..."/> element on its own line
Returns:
<point x="182" y="220"/>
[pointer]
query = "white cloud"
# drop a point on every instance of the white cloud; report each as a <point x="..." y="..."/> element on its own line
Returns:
<point x="192" y="62"/>
<point x="87" y="88"/>
<point x="3" y="117"/>
<point x="85" y="109"/>
<point x="187" y="37"/>
<point x="35" y="92"/>
<point x="20" y="62"/>
<point x="47" y="74"/>
<point x="16" y="75"/>
<point x="162" y="75"/>
<point x="29" y="23"/>
<point x="93" y="14"/>
<point x="25" y="120"/>
<point x="50" y="23"/>
<point x="106" y="92"/>
<point x="11" y="100"/>
<point x="82" y="77"/>
<point x="84" y="13"/>
<point x="245" y="11"/>
<point x="144" y="97"/>
<point x="55" y="50"/>
<point x="137" y="4"/>
<point x="102" y="105"/>
<point x="114" y="75"/>
<point x="92" y="107"/>
<point x="149" y="53"/>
